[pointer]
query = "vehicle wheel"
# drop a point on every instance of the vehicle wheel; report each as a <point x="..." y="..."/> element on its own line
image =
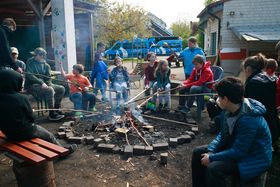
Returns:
<point x="177" y="64"/>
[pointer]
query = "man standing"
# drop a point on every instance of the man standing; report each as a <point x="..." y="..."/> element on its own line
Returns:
<point x="243" y="145"/>
<point x="19" y="63"/>
<point x="38" y="82"/>
<point x="188" y="54"/>
<point x="8" y="26"/>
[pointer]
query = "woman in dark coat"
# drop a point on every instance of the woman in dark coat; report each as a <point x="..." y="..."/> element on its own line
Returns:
<point x="262" y="87"/>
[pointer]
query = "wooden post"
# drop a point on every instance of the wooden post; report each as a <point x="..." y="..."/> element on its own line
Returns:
<point x="34" y="175"/>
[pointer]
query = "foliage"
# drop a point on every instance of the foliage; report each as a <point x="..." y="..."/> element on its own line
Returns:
<point x="182" y="29"/>
<point x="119" y="21"/>
<point x="207" y="2"/>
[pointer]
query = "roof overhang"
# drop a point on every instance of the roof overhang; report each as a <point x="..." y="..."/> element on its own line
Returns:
<point x="252" y="33"/>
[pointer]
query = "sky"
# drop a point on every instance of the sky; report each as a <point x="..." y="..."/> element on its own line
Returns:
<point x="170" y="10"/>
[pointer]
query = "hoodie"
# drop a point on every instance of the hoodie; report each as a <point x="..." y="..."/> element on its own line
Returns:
<point x="5" y="53"/>
<point x="188" y="54"/>
<point x="100" y="73"/>
<point x="200" y="77"/>
<point x="245" y="139"/>
<point x="261" y="87"/>
<point x="16" y="116"/>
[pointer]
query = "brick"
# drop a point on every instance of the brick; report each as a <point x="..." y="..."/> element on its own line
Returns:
<point x="75" y="139"/>
<point x="89" y="140"/>
<point x="106" y="148"/>
<point x="116" y="150"/>
<point x="97" y="141"/>
<point x="149" y="150"/>
<point x="68" y="123"/>
<point x="184" y="139"/>
<point x="128" y="151"/>
<point x="160" y="146"/>
<point x="191" y="134"/>
<point x="195" y="130"/>
<point x="163" y="158"/>
<point x="138" y="150"/>
<point x="69" y="134"/>
<point x="173" y="142"/>
<point x="61" y="129"/>
<point x="61" y="135"/>
<point x="153" y="157"/>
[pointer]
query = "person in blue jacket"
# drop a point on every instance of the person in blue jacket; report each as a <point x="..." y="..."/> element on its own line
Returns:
<point x="243" y="145"/>
<point x="188" y="54"/>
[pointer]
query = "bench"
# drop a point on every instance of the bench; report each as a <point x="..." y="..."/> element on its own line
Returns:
<point x="32" y="160"/>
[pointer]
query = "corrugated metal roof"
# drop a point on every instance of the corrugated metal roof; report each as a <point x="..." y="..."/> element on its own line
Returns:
<point x="257" y="32"/>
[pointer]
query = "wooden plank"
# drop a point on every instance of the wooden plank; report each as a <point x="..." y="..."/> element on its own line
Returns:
<point x="55" y="148"/>
<point x="47" y="145"/>
<point x="38" y="150"/>
<point x="21" y="152"/>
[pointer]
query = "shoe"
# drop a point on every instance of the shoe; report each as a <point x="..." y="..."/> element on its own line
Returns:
<point x="59" y="112"/>
<point x="160" y="106"/>
<point x="185" y="110"/>
<point x="78" y="114"/>
<point x="72" y="148"/>
<point x="94" y="109"/>
<point x="55" y="116"/>
<point x="104" y="99"/>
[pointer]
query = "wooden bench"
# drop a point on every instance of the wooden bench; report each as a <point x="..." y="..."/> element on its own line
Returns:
<point x="33" y="160"/>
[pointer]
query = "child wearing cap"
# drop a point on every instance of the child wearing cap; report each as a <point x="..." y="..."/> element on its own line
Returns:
<point x="19" y="63"/>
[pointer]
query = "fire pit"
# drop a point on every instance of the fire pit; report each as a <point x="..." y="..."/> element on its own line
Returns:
<point x="130" y="133"/>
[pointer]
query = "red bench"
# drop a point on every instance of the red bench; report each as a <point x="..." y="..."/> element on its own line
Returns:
<point x="31" y="158"/>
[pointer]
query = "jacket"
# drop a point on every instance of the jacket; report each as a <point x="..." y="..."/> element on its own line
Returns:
<point x="163" y="79"/>
<point x="261" y="87"/>
<point x="16" y="116"/>
<point x="42" y="71"/>
<point x="188" y="54"/>
<point x="150" y="73"/>
<point x="5" y="53"/>
<point x="245" y="139"/>
<point x="200" y="77"/>
<point x="99" y="73"/>
<point x="114" y="73"/>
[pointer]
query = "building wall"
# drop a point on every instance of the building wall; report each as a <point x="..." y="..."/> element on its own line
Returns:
<point x="246" y="12"/>
<point x="212" y="27"/>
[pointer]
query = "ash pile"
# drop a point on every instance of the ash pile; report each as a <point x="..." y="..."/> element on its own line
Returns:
<point x="130" y="133"/>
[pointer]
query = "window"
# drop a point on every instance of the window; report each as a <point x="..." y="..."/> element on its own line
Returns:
<point x="213" y="46"/>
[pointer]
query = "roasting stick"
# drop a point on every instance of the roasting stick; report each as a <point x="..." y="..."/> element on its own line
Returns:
<point x="132" y="99"/>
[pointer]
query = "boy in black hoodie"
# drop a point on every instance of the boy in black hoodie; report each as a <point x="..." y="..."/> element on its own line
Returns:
<point x="16" y="115"/>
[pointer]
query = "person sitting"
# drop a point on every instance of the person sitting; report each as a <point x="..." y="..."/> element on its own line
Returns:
<point x="150" y="79"/>
<point x="262" y="87"/>
<point x="8" y="26"/>
<point x="19" y="63"/>
<point x="38" y="82"/>
<point x="16" y="115"/>
<point x="162" y="73"/>
<point x="79" y="89"/>
<point x="196" y="84"/>
<point x="243" y="145"/>
<point x="120" y="80"/>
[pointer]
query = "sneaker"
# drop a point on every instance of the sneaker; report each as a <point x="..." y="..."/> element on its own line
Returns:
<point x="165" y="106"/>
<point x="160" y="106"/>
<point x="104" y="99"/>
<point x="78" y="114"/>
<point x="55" y="116"/>
<point x="94" y="109"/>
<point x="185" y="110"/>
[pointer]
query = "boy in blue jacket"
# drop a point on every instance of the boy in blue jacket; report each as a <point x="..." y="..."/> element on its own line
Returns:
<point x="99" y="72"/>
<point x="188" y="55"/>
<point x="243" y="145"/>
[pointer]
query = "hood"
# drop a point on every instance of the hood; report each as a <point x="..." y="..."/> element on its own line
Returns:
<point x="250" y="107"/>
<point x="262" y="78"/>
<point x="10" y="81"/>
<point x="207" y="64"/>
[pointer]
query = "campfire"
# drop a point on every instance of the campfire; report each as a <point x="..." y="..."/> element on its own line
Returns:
<point x="130" y="133"/>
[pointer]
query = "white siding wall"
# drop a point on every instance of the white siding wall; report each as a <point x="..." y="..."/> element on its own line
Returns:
<point x="247" y="12"/>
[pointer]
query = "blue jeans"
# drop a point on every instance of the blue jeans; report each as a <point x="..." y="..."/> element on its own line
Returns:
<point x="153" y="88"/>
<point x="83" y="101"/>
<point x="121" y="89"/>
<point x="102" y="89"/>
<point x="190" y="99"/>
<point x="165" y="97"/>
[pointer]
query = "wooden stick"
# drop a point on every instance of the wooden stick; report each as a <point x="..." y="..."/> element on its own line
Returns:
<point x="132" y="99"/>
<point x="168" y="120"/>
<point x="126" y="138"/>
<point x="133" y="126"/>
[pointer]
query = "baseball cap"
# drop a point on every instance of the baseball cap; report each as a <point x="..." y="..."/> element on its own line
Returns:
<point x="39" y="51"/>
<point x="14" y="50"/>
